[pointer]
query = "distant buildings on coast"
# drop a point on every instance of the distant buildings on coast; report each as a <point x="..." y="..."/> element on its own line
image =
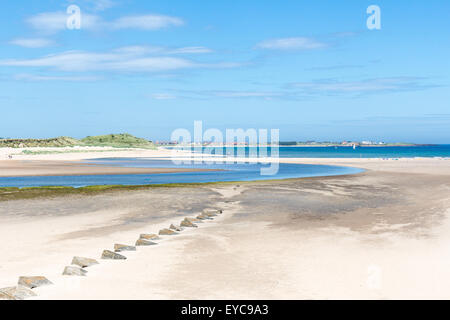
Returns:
<point x="362" y="143"/>
<point x="345" y="143"/>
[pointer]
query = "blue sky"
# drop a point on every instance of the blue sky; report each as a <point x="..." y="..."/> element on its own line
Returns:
<point x="309" y="68"/>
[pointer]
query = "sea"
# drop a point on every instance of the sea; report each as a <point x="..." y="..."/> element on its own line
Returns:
<point x="386" y="152"/>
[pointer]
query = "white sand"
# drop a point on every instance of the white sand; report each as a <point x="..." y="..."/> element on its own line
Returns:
<point x="224" y="259"/>
<point x="82" y="153"/>
<point x="251" y="261"/>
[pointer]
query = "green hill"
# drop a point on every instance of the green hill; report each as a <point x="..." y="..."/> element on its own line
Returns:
<point x="123" y="140"/>
<point x="112" y="140"/>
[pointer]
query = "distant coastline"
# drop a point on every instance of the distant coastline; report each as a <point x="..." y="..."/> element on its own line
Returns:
<point x="299" y="145"/>
<point x="126" y="140"/>
<point x="362" y="145"/>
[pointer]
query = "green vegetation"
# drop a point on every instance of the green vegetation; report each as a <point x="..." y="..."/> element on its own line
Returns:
<point x="124" y="140"/>
<point x="30" y="143"/>
<point x="9" y="193"/>
<point x="13" y="193"/>
<point x="31" y="152"/>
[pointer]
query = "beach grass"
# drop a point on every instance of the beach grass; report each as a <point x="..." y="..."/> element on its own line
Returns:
<point x="45" y="152"/>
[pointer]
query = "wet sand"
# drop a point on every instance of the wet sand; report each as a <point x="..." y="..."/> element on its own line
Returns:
<point x="22" y="168"/>
<point x="382" y="234"/>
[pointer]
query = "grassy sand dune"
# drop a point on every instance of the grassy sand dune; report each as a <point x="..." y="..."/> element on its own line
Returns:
<point x="124" y="140"/>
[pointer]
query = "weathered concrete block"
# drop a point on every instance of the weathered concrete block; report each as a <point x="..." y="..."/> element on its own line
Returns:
<point x="74" y="271"/>
<point x="149" y="237"/>
<point x="109" y="255"/>
<point x="123" y="247"/>
<point x="16" y="293"/>
<point x="203" y="217"/>
<point x="143" y="243"/>
<point x="34" y="282"/>
<point x="210" y="215"/>
<point x="212" y="212"/>
<point x="175" y="228"/>
<point x="167" y="232"/>
<point x="84" y="262"/>
<point x="4" y="296"/>
<point x="188" y="224"/>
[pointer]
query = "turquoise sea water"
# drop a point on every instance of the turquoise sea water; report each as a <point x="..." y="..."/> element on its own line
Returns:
<point x="348" y="152"/>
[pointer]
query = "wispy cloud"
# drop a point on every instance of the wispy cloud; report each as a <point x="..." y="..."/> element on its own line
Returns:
<point x="79" y="61"/>
<point x="437" y="120"/>
<point x="32" y="42"/>
<point x="302" y="91"/>
<point x="52" y="22"/>
<point x="366" y="86"/>
<point x="94" y="5"/>
<point x="145" y="22"/>
<point x="163" y="96"/>
<point x="32" y="77"/>
<point x="227" y="94"/>
<point x="335" y="67"/>
<point x="163" y="50"/>
<point x="298" y="43"/>
<point x="191" y="50"/>
<point x="245" y="94"/>
<point x="127" y="59"/>
<point x="139" y="50"/>
<point x="101" y="5"/>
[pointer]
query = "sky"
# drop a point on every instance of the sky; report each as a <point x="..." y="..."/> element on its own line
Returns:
<point x="312" y="69"/>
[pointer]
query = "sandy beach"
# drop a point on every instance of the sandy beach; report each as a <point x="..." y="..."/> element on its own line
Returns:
<point x="22" y="168"/>
<point x="70" y="161"/>
<point x="381" y="234"/>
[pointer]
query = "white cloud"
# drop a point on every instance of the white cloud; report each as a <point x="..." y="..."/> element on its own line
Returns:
<point x="245" y="94"/>
<point x="78" y="61"/>
<point x="146" y="22"/>
<point x="231" y="94"/>
<point x="139" y="50"/>
<point x="163" y="96"/>
<point x="127" y="59"/>
<point x="299" y="43"/>
<point x="95" y="5"/>
<point x="150" y="64"/>
<point x="191" y="50"/>
<point x="302" y="90"/>
<point x="48" y="21"/>
<point x="101" y="5"/>
<point x="32" y="77"/>
<point x="366" y="86"/>
<point x="52" y="22"/>
<point x="32" y="42"/>
<point x="308" y="90"/>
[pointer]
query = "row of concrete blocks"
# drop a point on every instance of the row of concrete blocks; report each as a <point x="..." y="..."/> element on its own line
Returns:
<point x="25" y="285"/>
<point x="146" y="239"/>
